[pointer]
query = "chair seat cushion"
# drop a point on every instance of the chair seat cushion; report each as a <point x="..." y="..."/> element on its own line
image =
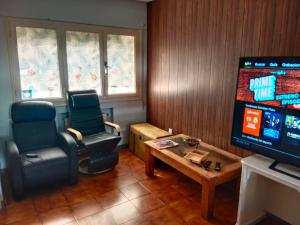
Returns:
<point x="103" y="141"/>
<point x="50" y="163"/>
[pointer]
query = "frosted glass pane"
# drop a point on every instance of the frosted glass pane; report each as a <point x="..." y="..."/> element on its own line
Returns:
<point x="121" y="64"/>
<point x="38" y="63"/>
<point x="83" y="57"/>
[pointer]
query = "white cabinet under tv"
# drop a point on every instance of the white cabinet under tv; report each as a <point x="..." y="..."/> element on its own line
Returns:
<point x="264" y="190"/>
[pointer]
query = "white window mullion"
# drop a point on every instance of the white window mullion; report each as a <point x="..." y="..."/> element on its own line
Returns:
<point x="102" y="60"/>
<point x="63" y="68"/>
<point x="104" y="64"/>
<point x="14" y="61"/>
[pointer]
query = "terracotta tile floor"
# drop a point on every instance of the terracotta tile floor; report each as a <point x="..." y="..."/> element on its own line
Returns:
<point x="124" y="196"/>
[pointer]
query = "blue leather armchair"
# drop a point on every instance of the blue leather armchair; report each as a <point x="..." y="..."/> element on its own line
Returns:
<point x="39" y="155"/>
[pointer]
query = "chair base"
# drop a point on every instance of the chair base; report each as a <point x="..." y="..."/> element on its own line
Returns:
<point x="84" y="168"/>
<point x="94" y="166"/>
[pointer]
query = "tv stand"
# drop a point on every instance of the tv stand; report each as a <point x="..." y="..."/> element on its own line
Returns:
<point x="264" y="190"/>
<point x="286" y="169"/>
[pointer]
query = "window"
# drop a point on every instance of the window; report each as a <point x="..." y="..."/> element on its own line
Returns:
<point x="38" y="63"/>
<point x="121" y="64"/>
<point x="49" y="58"/>
<point x="83" y="58"/>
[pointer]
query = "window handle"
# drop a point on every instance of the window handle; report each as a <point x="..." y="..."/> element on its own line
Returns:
<point x="106" y="67"/>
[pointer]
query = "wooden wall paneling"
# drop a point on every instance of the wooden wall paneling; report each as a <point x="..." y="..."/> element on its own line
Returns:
<point x="278" y="25"/>
<point x="197" y="39"/>
<point x="183" y="61"/>
<point x="161" y="50"/>
<point x="201" y="69"/>
<point x="296" y="44"/>
<point x="155" y="62"/>
<point x="267" y="29"/>
<point x="292" y="22"/>
<point x="284" y="14"/>
<point x="179" y="14"/>
<point x="152" y="57"/>
<point x="245" y="27"/>
<point x="158" y="63"/>
<point x="194" y="48"/>
<point x="252" y="28"/>
<point x="170" y="29"/>
<point x="189" y="49"/>
<point x="167" y="61"/>
<point x="150" y="66"/>
<point x="258" y="15"/>
<point x="222" y="114"/>
<point x="232" y="58"/>
<point x="150" y="35"/>
<point x="205" y="90"/>
<point x="222" y="45"/>
<point x="195" y="109"/>
<point x="215" y="79"/>
<point x="175" y="64"/>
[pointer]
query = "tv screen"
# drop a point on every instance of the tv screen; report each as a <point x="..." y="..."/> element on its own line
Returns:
<point x="267" y="108"/>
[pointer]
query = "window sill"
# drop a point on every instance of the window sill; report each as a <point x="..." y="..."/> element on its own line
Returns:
<point x="112" y="101"/>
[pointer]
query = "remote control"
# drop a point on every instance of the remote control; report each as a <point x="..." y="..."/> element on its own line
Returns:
<point x="207" y="164"/>
<point x="218" y="167"/>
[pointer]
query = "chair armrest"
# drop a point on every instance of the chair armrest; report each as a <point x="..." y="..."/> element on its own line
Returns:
<point x="69" y="145"/>
<point x="15" y="169"/>
<point x="75" y="134"/>
<point x="113" y="125"/>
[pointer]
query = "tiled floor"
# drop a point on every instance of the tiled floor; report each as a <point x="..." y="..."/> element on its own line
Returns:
<point x="124" y="196"/>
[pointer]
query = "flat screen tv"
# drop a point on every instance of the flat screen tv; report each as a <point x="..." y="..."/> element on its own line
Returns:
<point x="267" y="107"/>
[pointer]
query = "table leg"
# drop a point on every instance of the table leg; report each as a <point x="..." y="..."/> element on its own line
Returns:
<point x="149" y="162"/>
<point x="207" y="204"/>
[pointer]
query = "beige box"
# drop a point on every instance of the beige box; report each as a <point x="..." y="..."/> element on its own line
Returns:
<point x="139" y="133"/>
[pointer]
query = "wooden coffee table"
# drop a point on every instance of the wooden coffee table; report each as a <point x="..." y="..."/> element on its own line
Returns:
<point x="209" y="179"/>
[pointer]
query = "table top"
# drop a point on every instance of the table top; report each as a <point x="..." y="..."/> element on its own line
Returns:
<point x="230" y="163"/>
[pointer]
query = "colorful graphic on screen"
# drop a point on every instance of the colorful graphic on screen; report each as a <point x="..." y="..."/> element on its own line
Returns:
<point x="272" y="87"/>
<point x="252" y="121"/>
<point x="292" y="125"/>
<point x="272" y="124"/>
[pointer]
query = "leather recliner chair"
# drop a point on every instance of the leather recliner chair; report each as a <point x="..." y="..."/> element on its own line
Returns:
<point x="39" y="155"/>
<point x="97" y="147"/>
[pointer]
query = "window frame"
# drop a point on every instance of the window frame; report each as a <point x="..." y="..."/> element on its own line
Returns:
<point x="138" y="62"/>
<point x="61" y="28"/>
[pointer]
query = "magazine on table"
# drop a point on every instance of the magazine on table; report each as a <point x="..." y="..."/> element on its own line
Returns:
<point x="165" y="144"/>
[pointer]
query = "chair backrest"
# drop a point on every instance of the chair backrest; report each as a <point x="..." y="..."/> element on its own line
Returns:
<point x="85" y="113"/>
<point x="33" y="124"/>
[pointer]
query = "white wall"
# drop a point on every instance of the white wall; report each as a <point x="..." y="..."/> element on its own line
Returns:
<point x="117" y="13"/>
<point x="120" y="13"/>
